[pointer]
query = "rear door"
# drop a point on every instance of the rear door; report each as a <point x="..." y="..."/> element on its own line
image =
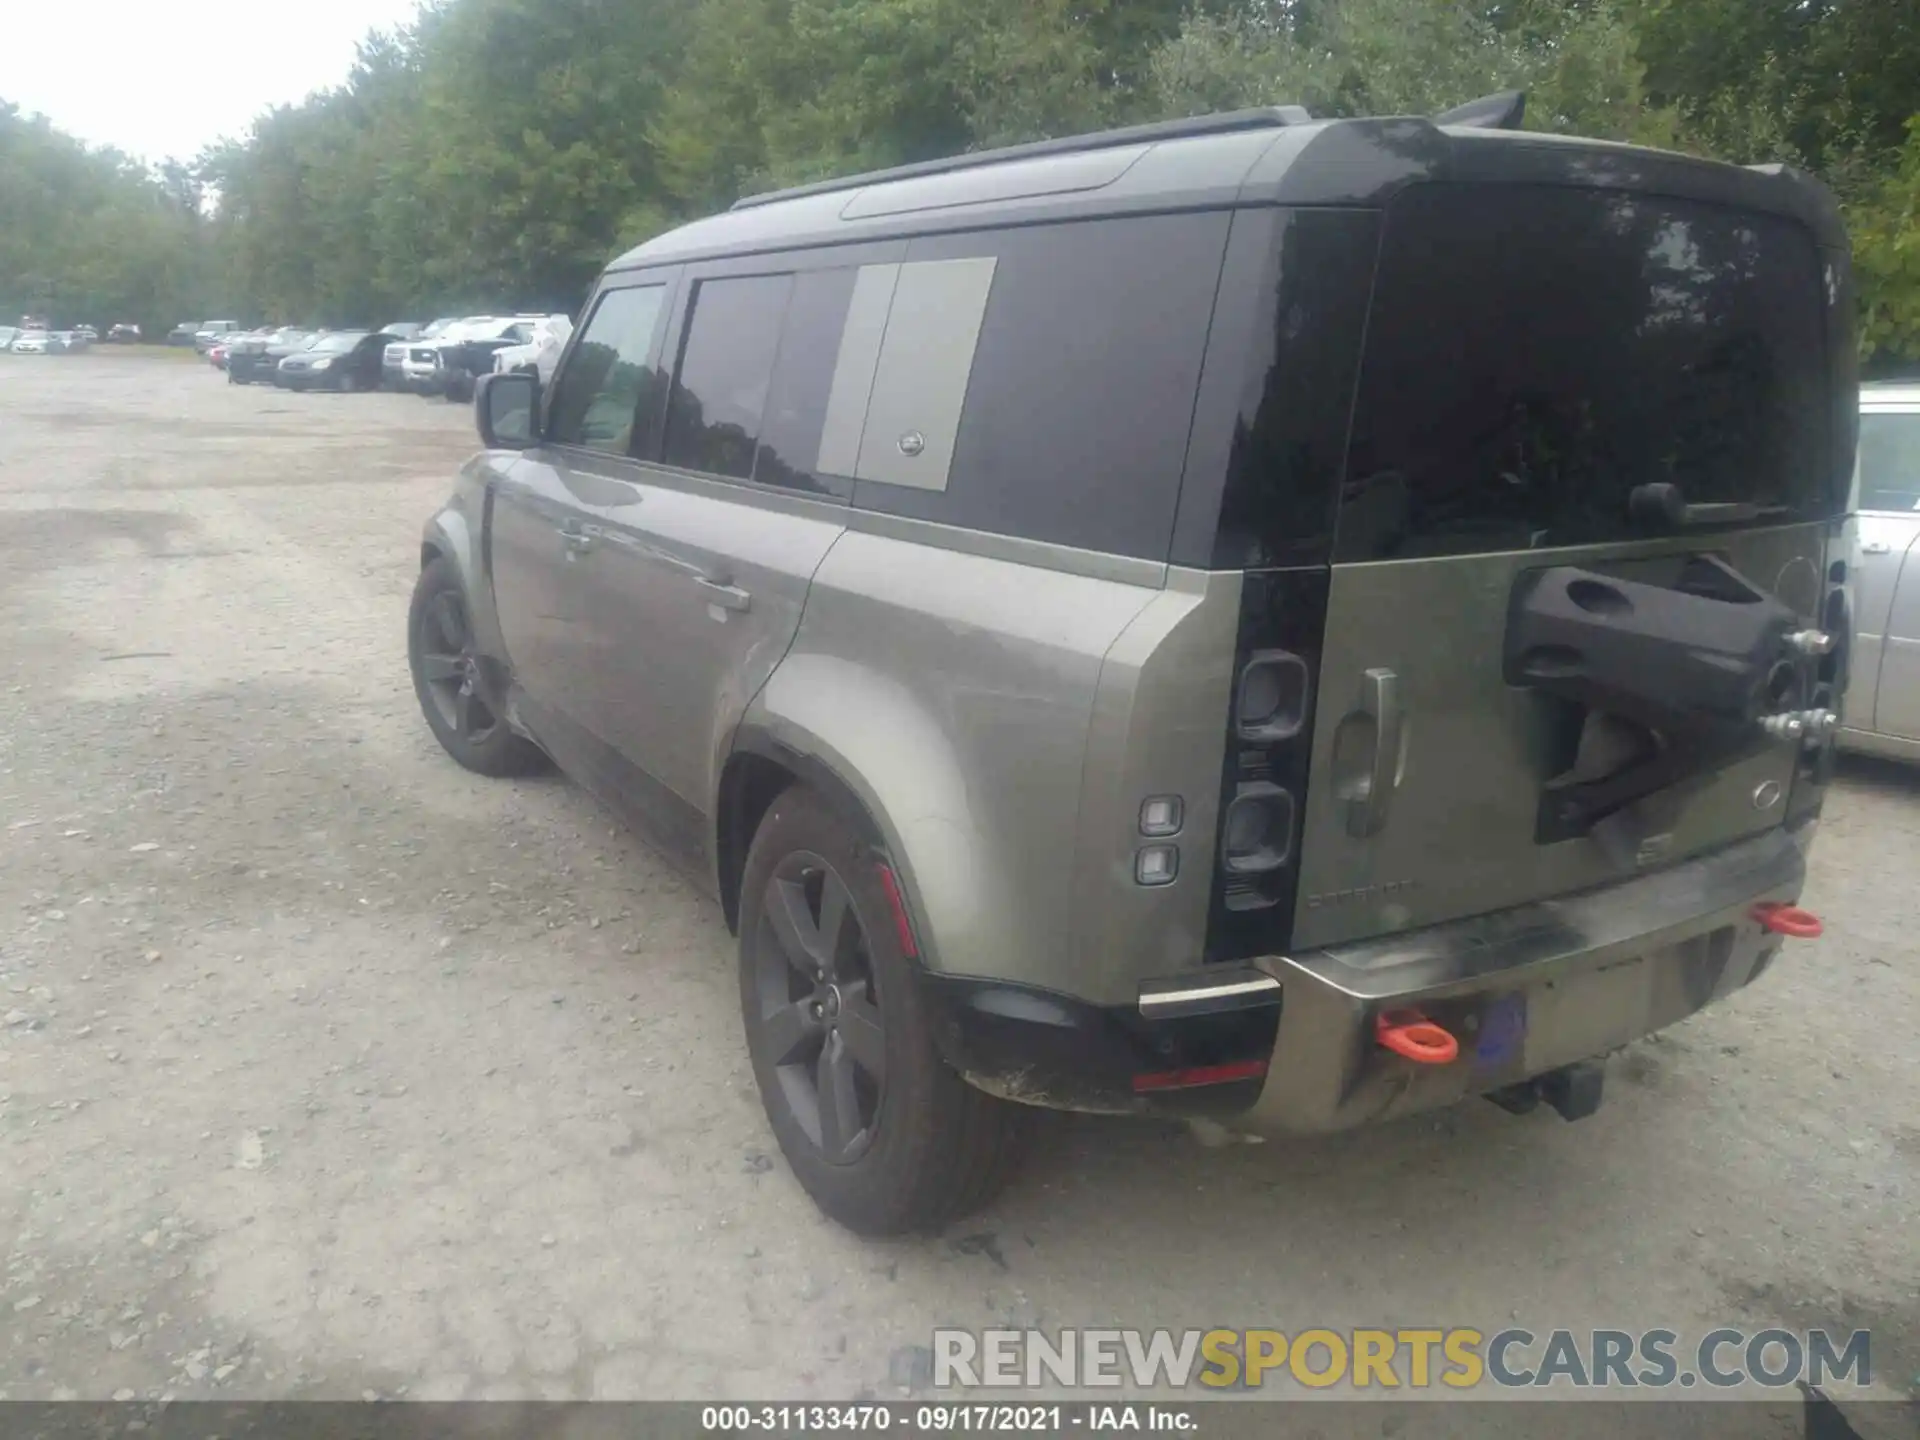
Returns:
<point x="1534" y="356"/>
<point x="1885" y="695"/>
<point x="698" y="586"/>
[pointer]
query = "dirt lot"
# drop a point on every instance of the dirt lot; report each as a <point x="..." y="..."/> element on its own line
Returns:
<point x="330" y="1069"/>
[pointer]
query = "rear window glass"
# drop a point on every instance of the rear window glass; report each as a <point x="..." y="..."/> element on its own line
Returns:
<point x="1534" y="354"/>
<point x="1890" y="462"/>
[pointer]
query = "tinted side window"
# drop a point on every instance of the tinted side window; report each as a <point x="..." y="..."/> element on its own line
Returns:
<point x="1085" y="342"/>
<point x="803" y="377"/>
<point x="726" y="368"/>
<point x="609" y="377"/>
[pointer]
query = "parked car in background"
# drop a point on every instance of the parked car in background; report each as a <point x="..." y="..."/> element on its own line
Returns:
<point x="8" y="334"/>
<point x="73" y="340"/>
<point x="87" y="333"/>
<point x="403" y="329"/>
<point x="540" y="355"/>
<point x="421" y="371"/>
<point x="124" y="334"/>
<point x="254" y="359"/>
<point x="183" y="333"/>
<point x="344" y="360"/>
<point x="1882" y="711"/>
<point x="393" y="371"/>
<point x="212" y="333"/>
<point x="465" y="359"/>
<point x="36" y="342"/>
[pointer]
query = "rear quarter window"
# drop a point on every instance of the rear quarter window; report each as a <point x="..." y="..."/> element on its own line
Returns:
<point x="1062" y="362"/>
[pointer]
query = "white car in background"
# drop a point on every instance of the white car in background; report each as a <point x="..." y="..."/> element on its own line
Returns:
<point x="1882" y="711"/>
<point x="539" y="355"/>
<point x="420" y="358"/>
<point x="393" y="359"/>
<point x="34" y="342"/>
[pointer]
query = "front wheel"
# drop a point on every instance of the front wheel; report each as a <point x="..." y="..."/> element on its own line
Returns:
<point x="884" y="1136"/>
<point x="450" y="681"/>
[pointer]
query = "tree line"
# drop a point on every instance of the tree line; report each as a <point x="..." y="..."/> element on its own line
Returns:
<point x="496" y="152"/>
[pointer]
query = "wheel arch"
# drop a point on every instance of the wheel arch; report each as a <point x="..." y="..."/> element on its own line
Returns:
<point x="758" y="770"/>
<point x="869" y="744"/>
<point x="454" y="535"/>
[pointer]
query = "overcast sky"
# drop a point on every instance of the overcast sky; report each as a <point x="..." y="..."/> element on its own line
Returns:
<point x="161" y="78"/>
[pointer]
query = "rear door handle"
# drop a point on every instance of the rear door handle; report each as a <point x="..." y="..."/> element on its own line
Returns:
<point x="727" y="597"/>
<point x="1369" y="795"/>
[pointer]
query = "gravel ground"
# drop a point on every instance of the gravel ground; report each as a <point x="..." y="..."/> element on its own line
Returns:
<point x="328" y="1069"/>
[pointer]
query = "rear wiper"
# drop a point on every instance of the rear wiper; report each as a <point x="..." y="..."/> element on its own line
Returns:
<point x="1664" y="506"/>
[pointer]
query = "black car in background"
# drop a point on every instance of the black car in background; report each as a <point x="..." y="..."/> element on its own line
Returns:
<point x="338" y="360"/>
<point x="124" y="334"/>
<point x="252" y="360"/>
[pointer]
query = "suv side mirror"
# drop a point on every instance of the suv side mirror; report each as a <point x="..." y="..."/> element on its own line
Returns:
<point x="506" y="409"/>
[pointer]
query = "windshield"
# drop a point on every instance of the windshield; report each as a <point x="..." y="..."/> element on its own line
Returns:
<point x="1536" y="354"/>
<point x="1889" y="475"/>
<point x="338" y="344"/>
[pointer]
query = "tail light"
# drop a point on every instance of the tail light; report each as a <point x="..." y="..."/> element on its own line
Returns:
<point x="1269" y="744"/>
<point x="1256" y="837"/>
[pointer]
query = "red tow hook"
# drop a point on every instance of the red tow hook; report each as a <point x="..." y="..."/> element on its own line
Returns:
<point x="1409" y="1033"/>
<point x="1789" y="920"/>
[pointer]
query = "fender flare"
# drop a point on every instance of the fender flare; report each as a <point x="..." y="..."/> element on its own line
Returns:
<point x="863" y="742"/>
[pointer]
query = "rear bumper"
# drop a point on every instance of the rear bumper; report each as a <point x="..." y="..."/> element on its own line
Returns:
<point x="1525" y="992"/>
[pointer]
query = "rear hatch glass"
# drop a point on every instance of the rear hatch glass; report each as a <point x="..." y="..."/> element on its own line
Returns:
<point x="1534" y="353"/>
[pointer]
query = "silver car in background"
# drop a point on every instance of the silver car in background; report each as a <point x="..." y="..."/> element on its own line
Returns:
<point x="1883" y="694"/>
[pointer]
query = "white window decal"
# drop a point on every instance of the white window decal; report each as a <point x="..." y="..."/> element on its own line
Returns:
<point x="908" y="382"/>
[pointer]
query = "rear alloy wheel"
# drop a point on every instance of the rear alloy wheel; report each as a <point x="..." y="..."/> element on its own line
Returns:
<point x="451" y="680"/>
<point x="884" y="1136"/>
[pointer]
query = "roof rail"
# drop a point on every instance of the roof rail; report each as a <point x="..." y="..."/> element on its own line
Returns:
<point x="1262" y="118"/>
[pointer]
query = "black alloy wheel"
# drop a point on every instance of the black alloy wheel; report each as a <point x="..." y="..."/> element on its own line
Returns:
<point x="881" y="1132"/>
<point x="451" y="680"/>
<point x="820" y="1021"/>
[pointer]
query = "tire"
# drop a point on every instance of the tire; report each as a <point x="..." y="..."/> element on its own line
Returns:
<point x="450" y="682"/>
<point x="917" y="1148"/>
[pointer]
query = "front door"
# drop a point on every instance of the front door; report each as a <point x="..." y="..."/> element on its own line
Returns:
<point x="542" y="547"/>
